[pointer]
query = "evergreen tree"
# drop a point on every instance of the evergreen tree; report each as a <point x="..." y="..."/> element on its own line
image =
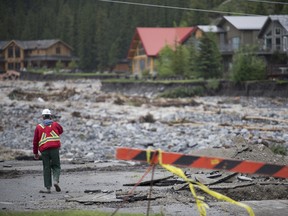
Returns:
<point x="86" y="26"/>
<point x="209" y="58"/>
<point x="180" y="61"/>
<point x="101" y="32"/>
<point x="164" y="61"/>
<point x="247" y="66"/>
<point x="192" y="63"/>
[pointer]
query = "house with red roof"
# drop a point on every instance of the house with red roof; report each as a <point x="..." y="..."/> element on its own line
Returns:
<point x="148" y="42"/>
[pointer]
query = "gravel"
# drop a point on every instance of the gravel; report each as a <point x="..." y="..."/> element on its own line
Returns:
<point x="95" y="124"/>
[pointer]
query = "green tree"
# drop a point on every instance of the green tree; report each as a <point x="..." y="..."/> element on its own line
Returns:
<point x="196" y="17"/>
<point x="101" y="32"/>
<point x="59" y="65"/>
<point x="247" y="66"/>
<point x="180" y="61"/>
<point x="72" y="65"/>
<point x="192" y="63"/>
<point x="209" y="58"/>
<point x="164" y="62"/>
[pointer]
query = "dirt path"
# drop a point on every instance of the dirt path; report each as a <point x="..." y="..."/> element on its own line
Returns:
<point x="20" y="182"/>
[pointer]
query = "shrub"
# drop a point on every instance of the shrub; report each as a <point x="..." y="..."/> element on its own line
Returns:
<point x="213" y="84"/>
<point x="247" y="66"/>
<point x="148" y="118"/>
<point x="279" y="149"/>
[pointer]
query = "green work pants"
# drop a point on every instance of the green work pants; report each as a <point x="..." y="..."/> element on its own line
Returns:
<point x="51" y="165"/>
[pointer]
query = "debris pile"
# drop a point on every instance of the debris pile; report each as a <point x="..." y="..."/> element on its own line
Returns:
<point x="95" y="122"/>
<point x="10" y="75"/>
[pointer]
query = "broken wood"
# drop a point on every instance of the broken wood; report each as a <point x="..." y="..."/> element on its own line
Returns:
<point x="203" y="179"/>
<point x="89" y="199"/>
<point x="254" y="127"/>
<point x="264" y="119"/>
<point x="136" y="196"/>
<point x="244" y="178"/>
<point x="92" y="191"/>
<point x="231" y="186"/>
<point x="223" y="178"/>
<point x="148" y="183"/>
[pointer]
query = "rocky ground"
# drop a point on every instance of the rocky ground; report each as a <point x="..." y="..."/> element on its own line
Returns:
<point x="96" y="123"/>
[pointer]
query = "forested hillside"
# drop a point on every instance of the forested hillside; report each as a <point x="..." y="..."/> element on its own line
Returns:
<point x="101" y="31"/>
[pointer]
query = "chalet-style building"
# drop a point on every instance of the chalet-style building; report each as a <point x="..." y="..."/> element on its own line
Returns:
<point x="268" y="33"/>
<point x="274" y="34"/>
<point x="273" y="37"/>
<point x="18" y="55"/>
<point x="148" y="42"/>
<point x="237" y="31"/>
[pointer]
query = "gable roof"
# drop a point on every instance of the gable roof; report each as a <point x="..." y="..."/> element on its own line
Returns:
<point x="245" y="22"/>
<point x="210" y="28"/>
<point x="32" y="44"/>
<point x="282" y="19"/>
<point x="154" y="39"/>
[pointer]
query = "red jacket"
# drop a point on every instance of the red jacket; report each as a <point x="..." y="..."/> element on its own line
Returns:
<point x="46" y="137"/>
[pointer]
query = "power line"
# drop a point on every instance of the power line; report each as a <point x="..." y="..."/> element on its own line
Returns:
<point x="177" y="8"/>
<point x="268" y="2"/>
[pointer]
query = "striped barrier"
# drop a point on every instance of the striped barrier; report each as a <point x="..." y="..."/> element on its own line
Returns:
<point x="184" y="160"/>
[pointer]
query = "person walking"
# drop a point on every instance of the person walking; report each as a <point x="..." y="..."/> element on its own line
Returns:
<point x="47" y="142"/>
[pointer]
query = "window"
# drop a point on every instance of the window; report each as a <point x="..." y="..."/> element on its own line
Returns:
<point x="10" y="66"/>
<point x="17" y="52"/>
<point x="10" y="52"/>
<point x="268" y="43"/>
<point x="278" y="43"/>
<point x="58" y="50"/>
<point x="142" y="64"/>
<point x="235" y="43"/>
<point x="285" y="43"/>
<point x="277" y="31"/>
<point x="269" y="34"/>
<point x="140" y="49"/>
<point x="17" y="66"/>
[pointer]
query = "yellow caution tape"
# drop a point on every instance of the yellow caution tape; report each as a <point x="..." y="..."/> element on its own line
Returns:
<point x="202" y="206"/>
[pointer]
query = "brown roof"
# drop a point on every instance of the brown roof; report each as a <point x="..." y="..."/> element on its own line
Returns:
<point x="32" y="44"/>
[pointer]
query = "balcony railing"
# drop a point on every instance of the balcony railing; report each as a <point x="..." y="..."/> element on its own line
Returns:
<point x="277" y="70"/>
<point x="264" y="49"/>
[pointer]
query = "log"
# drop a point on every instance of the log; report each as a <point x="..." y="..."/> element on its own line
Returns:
<point x="148" y="183"/>
<point x="264" y="119"/>
<point x="231" y="185"/>
<point x="254" y="127"/>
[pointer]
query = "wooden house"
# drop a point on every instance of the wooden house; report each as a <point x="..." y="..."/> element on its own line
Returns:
<point x="18" y="55"/>
<point x="274" y="41"/>
<point x="237" y="31"/>
<point x="274" y="34"/>
<point x="122" y="66"/>
<point x="148" y="42"/>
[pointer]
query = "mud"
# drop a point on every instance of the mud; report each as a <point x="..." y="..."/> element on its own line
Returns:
<point x="92" y="186"/>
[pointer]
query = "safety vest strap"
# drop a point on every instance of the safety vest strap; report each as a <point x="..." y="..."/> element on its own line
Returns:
<point x="44" y="139"/>
<point x="42" y="126"/>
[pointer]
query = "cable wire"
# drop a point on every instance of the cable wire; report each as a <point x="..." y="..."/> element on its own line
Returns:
<point x="177" y="8"/>
<point x="268" y="2"/>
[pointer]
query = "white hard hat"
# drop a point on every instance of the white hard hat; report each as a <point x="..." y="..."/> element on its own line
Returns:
<point x="46" y="112"/>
